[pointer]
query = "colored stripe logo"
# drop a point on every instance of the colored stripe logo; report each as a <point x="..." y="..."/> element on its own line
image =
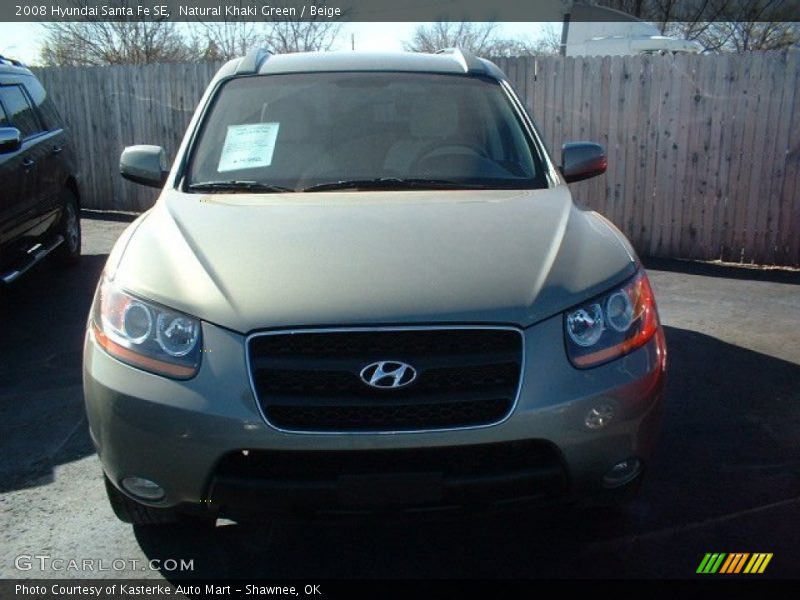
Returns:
<point x="733" y="563"/>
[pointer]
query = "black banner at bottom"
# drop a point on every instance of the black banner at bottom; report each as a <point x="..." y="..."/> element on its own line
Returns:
<point x="81" y="589"/>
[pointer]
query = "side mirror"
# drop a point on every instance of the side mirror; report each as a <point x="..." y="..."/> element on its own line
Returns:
<point x="146" y="165"/>
<point x="10" y="140"/>
<point x="582" y="160"/>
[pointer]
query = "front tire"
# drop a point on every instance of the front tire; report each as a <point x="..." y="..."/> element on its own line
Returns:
<point x="69" y="252"/>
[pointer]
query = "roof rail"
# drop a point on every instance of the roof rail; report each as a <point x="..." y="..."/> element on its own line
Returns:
<point x="469" y="62"/>
<point x="13" y="61"/>
<point x="252" y="61"/>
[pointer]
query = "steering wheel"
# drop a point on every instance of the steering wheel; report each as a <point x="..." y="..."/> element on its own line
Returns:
<point x="441" y="148"/>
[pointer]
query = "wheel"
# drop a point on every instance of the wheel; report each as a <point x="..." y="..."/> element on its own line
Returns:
<point x="69" y="252"/>
<point x="128" y="510"/>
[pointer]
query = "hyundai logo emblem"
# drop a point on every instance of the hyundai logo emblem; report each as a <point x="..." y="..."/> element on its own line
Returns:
<point x="388" y="374"/>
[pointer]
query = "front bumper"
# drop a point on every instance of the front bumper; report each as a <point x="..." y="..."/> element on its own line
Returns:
<point x="182" y="435"/>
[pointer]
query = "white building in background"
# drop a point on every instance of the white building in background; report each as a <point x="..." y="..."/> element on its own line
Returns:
<point x="597" y="31"/>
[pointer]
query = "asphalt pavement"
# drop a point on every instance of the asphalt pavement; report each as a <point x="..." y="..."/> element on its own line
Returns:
<point x="725" y="476"/>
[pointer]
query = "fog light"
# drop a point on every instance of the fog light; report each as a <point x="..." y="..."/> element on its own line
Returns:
<point x="143" y="488"/>
<point x="622" y="472"/>
<point x="600" y="416"/>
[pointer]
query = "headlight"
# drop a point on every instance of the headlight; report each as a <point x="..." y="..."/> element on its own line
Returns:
<point x="146" y="335"/>
<point x="611" y="325"/>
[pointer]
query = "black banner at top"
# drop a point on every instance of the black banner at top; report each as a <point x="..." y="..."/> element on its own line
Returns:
<point x="398" y="10"/>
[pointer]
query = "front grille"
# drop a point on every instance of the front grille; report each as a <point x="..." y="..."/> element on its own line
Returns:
<point x="310" y="381"/>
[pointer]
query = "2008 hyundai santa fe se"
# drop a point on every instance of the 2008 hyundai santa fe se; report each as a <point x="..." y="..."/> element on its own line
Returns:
<point x="365" y="285"/>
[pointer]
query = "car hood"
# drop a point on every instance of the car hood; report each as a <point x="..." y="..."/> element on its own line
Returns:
<point x="249" y="262"/>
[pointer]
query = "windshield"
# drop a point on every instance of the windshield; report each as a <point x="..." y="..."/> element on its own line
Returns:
<point x="324" y="131"/>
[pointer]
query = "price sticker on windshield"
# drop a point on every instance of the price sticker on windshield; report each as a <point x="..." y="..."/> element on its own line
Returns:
<point x="248" y="146"/>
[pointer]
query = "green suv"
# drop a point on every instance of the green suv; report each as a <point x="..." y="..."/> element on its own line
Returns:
<point x="365" y="286"/>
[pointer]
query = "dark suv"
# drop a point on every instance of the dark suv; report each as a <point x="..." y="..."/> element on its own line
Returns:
<point x="39" y="199"/>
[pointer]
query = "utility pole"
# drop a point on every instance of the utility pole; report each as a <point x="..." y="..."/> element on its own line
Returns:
<point x="352" y="41"/>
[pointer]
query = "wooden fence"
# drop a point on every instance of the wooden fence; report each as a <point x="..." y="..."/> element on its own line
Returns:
<point x="703" y="151"/>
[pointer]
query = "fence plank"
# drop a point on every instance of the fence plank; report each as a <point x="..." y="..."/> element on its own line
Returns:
<point x="782" y="97"/>
<point x="689" y="156"/>
<point x="788" y="245"/>
<point x="791" y="188"/>
<point x="749" y="116"/>
<point x="632" y="92"/>
<point x="643" y="84"/>
<point x="719" y="151"/>
<point x="764" y="137"/>
<point x="740" y="80"/>
<point x="703" y="81"/>
<point x="682" y="154"/>
<point x="601" y="118"/>
<point x="614" y="150"/>
<point x="650" y="206"/>
<point x="539" y="86"/>
<point x="662" y="70"/>
<point x="549" y="111"/>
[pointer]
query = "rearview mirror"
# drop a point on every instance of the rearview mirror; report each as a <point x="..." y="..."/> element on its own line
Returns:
<point x="146" y="165"/>
<point x="10" y="139"/>
<point x="582" y="160"/>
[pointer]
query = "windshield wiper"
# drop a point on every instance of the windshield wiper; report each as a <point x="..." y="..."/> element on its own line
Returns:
<point x="392" y="183"/>
<point x="235" y="185"/>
